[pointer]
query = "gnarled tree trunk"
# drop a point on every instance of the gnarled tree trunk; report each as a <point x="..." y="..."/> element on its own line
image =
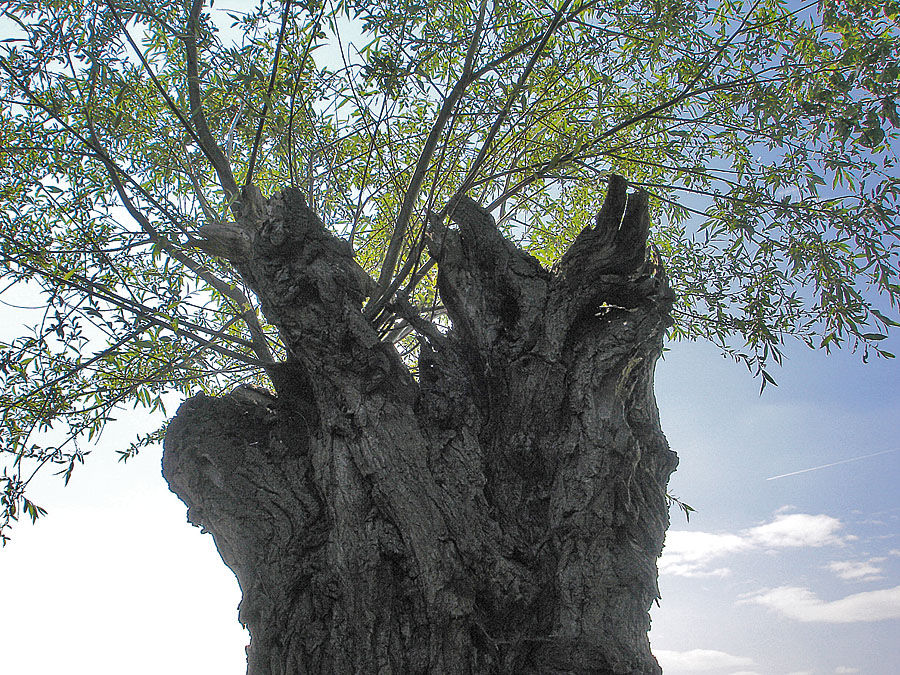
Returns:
<point x="501" y="512"/>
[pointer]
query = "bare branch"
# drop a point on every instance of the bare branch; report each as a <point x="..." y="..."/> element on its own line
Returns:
<point x="204" y="137"/>
<point x="262" y="118"/>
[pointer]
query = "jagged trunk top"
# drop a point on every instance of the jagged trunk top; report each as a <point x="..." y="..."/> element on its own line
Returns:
<point x="501" y="512"/>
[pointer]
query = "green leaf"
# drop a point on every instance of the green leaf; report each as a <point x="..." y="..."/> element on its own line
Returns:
<point x="889" y="321"/>
<point x="889" y="74"/>
<point x="871" y="137"/>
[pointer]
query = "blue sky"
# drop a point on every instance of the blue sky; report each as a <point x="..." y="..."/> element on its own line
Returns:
<point x="800" y="574"/>
<point x="788" y="576"/>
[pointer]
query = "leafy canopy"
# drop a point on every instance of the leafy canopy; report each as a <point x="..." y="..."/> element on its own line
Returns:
<point x="764" y="133"/>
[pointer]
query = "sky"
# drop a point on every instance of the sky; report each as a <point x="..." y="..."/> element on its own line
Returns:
<point x="800" y="574"/>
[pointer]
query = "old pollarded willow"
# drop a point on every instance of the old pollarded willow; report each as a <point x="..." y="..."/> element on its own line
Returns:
<point x="500" y="512"/>
<point x="420" y="418"/>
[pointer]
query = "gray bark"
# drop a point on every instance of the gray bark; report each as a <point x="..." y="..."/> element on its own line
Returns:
<point x="502" y="512"/>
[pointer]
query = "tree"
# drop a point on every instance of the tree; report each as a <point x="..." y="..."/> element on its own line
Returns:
<point x="361" y="237"/>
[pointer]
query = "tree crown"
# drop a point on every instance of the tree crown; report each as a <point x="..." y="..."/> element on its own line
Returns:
<point x="134" y="133"/>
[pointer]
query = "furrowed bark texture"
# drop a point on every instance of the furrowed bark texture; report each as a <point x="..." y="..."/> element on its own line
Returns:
<point x="501" y="513"/>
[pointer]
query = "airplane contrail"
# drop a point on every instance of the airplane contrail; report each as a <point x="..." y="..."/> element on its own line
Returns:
<point x="825" y="466"/>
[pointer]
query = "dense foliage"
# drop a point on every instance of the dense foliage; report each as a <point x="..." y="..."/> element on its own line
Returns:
<point x="764" y="133"/>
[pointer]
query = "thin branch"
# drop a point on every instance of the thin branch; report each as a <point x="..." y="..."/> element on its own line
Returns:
<point x="248" y="313"/>
<point x="307" y="48"/>
<point x="502" y="115"/>
<point x="204" y="137"/>
<point x="418" y="176"/>
<point x="81" y="366"/>
<point x="715" y="57"/>
<point x="89" y="287"/>
<point x="262" y="118"/>
<point x="204" y="140"/>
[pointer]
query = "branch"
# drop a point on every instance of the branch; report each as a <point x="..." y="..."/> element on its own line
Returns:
<point x="204" y="141"/>
<point x="721" y="49"/>
<point x="81" y="366"/>
<point x="247" y="313"/>
<point x="265" y="110"/>
<point x="418" y="176"/>
<point x="258" y="343"/>
<point x="387" y="289"/>
<point x="290" y="130"/>
<point x="502" y="115"/>
<point x="258" y="338"/>
<point x="89" y="287"/>
<point x="204" y="137"/>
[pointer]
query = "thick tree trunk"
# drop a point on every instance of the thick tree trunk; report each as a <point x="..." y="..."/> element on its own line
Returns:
<point x="500" y="512"/>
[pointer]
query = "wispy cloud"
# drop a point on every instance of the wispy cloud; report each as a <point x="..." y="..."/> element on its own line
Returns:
<point x="846" y="669"/>
<point x="851" y="570"/>
<point x="803" y="605"/>
<point x="697" y="660"/>
<point x="691" y="554"/>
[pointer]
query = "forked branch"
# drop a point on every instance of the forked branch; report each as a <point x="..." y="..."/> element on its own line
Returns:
<point x="204" y="137"/>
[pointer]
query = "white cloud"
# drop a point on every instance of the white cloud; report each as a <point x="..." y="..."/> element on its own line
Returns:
<point x="846" y="669"/>
<point x="797" y="529"/>
<point x="800" y="672"/>
<point x="692" y="570"/>
<point x="695" y="660"/>
<point x="690" y="554"/>
<point x="851" y="570"/>
<point x="803" y="605"/>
